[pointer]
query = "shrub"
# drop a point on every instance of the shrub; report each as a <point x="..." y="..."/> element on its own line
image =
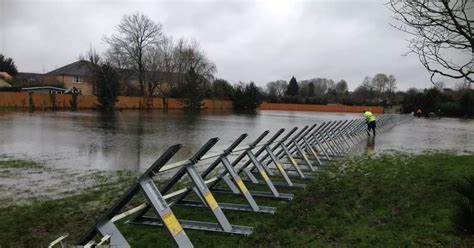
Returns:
<point x="464" y="215"/>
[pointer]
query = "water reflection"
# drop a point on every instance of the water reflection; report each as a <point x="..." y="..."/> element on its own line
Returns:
<point x="134" y="139"/>
<point x="370" y="146"/>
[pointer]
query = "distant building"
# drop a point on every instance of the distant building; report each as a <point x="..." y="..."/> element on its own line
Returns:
<point x="76" y="75"/>
<point x="4" y="83"/>
<point x="45" y="89"/>
<point x="3" y="77"/>
<point x="33" y="79"/>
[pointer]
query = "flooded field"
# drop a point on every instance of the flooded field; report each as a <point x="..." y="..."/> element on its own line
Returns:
<point x="75" y="150"/>
<point x="420" y="134"/>
<point x="132" y="140"/>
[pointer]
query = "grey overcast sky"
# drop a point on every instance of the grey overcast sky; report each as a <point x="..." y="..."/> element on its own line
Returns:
<point x="258" y="41"/>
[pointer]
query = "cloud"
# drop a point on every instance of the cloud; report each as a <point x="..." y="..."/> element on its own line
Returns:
<point x="256" y="41"/>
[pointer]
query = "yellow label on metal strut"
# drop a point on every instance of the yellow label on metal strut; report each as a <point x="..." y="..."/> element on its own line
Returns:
<point x="242" y="186"/>
<point x="292" y="161"/>
<point x="172" y="223"/>
<point x="304" y="156"/>
<point x="279" y="167"/>
<point x="264" y="175"/>
<point x="211" y="201"/>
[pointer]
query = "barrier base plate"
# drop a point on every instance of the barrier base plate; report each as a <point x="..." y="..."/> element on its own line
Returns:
<point x="194" y="225"/>
<point x="229" y="206"/>
<point x="283" y="196"/>
<point x="282" y="184"/>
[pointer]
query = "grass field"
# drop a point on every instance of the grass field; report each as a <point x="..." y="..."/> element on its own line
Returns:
<point x="387" y="200"/>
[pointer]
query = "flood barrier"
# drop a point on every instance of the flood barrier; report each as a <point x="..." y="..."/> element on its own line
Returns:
<point x="272" y="164"/>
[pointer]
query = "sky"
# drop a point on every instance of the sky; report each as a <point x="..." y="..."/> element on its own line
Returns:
<point x="258" y="41"/>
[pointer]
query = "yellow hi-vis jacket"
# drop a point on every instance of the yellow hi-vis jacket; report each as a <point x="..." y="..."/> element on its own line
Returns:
<point x="369" y="116"/>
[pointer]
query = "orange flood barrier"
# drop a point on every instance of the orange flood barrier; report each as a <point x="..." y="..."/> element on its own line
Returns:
<point x="321" y="108"/>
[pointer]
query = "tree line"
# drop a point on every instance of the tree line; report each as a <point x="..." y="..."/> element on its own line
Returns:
<point x="377" y="90"/>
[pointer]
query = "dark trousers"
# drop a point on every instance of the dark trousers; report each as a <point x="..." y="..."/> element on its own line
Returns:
<point x="371" y="126"/>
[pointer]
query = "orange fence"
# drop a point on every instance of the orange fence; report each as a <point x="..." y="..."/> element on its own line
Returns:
<point x="322" y="108"/>
<point x="45" y="101"/>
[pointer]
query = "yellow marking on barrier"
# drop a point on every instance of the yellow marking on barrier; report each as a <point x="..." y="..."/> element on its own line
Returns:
<point x="242" y="186"/>
<point x="211" y="201"/>
<point x="305" y="157"/>
<point x="264" y="175"/>
<point x="293" y="161"/>
<point x="280" y="168"/>
<point x="172" y="223"/>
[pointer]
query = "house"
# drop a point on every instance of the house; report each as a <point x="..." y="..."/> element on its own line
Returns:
<point x="4" y="83"/>
<point x="29" y="78"/>
<point x="5" y="75"/>
<point x="76" y="75"/>
<point x="3" y="79"/>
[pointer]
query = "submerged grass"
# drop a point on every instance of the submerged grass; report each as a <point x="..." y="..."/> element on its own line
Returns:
<point x="389" y="200"/>
<point x="19" y="164"/>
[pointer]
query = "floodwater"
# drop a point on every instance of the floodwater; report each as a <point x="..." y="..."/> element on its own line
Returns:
<point x="132" y="140"/>
<point x="433" y="134"/>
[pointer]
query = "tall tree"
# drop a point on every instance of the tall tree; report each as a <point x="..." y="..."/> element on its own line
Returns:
<point x="7" y="65"/>
<point x="104" y="79"/>
<point x="379" y="82"/>
<point x="293" y="89"/>
<point x="438" y="30"/>
<point x="187" y="55"/>
<point x="341" y="87"/>
<point x="277" y="88"/>
<point x="311" y="89"/>
<point x="107" y="86"/>
<point x="221" y="89"/>
<point x="193" y="91"/>
<point x="136" y="36"/>
<point x="246" y="97"/>
<point x="365" y="92"/>
<point x="341" y="90"/>
<point x="391" y="88"/>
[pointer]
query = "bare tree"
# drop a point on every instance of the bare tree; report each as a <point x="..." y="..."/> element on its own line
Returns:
<point x="281" y="86"/>
<point x="379" y="82"/>
<point x="188" y="55"/>
<point x="391" y="88"/>
<point x="271" y="89"/>
<point x="277" y="88"/>
<point x="439" y="85"/>
<point x="391" y="84"/>
<point x="341" y="87"/>
<point x="439" y="28"/>
<point x="152" y="63"/>
<point x="136" y="36"/>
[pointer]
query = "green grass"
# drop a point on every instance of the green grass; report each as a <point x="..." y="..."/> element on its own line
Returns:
<point x="19" y="164"/>
<point x="391" y="200"/>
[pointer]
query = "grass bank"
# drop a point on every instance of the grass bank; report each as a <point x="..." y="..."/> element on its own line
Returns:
<point x="390" y="200"/>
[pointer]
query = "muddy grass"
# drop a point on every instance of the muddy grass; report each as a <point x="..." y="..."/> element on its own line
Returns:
<point x="23" y="181"/>
<point x="387" y="200"/>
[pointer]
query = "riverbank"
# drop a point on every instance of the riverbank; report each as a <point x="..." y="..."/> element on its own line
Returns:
<point x="389" y="200"/>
